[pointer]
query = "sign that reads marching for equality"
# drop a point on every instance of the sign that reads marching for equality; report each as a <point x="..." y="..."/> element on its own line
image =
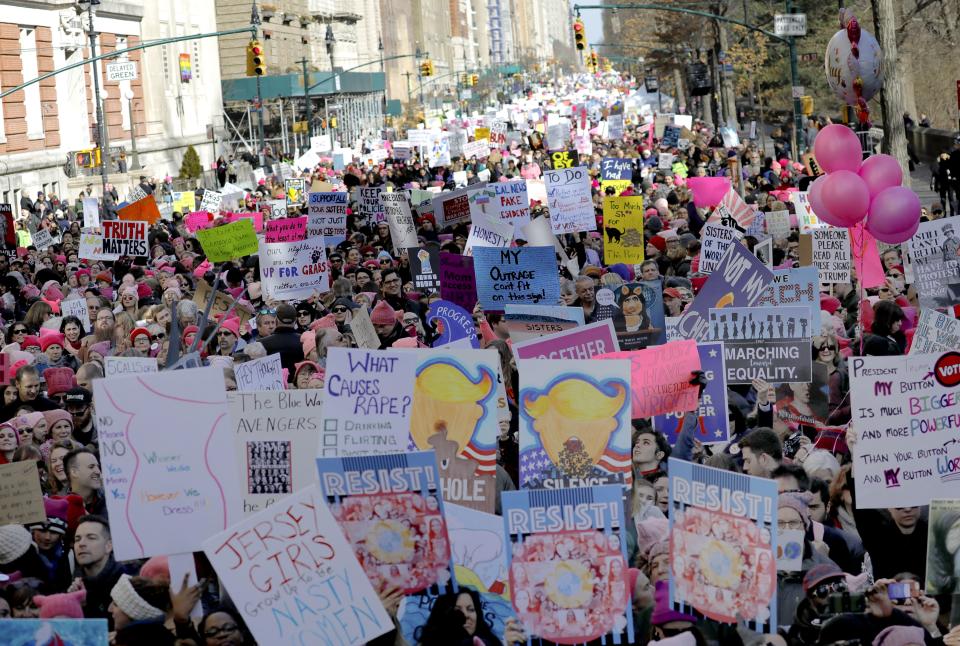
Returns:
<point x="569" y="199"/>
<point x="769" y="343"/>
<point x="292" y="575"/>
<point x="905" y="411"/>
<point x="574" y="424"/>
<point x="157" y="432"/>
<point x="522" y="275"/>
<point x="327" y="217"/>
<point x="294" y="270"/>
<point x="568" y="564"/>
<point x="623" y="230"/>
<point x="125" y="238"/>
<point x="723" y="528"/>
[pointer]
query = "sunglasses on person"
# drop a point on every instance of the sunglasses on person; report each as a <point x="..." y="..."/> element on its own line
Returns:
<point x="222" y="630"/>
<point x="21" y="330"/>
<point x="339" y="310"/>
<point x="369" y="255"/>
<point x="826" y="347"/>
<point x="824" y="590"/>
<point x="225" y="333"/>
<point x="159" y="336"/>
<point x="268" y="311"/>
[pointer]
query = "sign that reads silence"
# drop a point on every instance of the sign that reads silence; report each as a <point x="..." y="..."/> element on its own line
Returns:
<point x="125" y="237"/>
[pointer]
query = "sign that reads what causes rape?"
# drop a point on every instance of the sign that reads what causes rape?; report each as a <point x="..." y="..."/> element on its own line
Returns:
<point x="292" y="575"/>
<point x="521" y="275"/>
<point x="569" y="199"/>
<point x="906" y="412"/>
<point x="125" y="238"/>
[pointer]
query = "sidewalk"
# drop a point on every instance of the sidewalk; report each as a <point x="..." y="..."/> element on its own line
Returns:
<point x="920" y="183"/>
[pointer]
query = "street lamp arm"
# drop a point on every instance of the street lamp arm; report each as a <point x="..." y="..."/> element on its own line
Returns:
<point x="356" y="67"/>
<point x="121" y="52"/>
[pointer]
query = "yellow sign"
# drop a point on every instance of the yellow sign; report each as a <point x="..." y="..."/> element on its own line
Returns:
<point x="481" y="133"/>
<point x="623" y="230"/>
<point x="184" y="202"/>
<point x="564" y="158"/>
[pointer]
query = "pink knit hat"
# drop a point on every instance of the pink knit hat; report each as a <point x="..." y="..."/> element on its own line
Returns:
<point x="57" y="415"/>
<point x="309" y="341"/>
<point x="383" y="314"/>
<point x="326" y="321"/>
<point x="157" y="567"/>
<point x="68" y="605"/>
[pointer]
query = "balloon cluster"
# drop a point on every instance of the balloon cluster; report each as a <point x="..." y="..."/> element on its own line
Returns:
<point x="853" y="65"/>
<point x="853" y="190"/>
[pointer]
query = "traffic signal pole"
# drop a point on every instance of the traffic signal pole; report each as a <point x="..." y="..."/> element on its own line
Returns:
<point x="255" y="27"/>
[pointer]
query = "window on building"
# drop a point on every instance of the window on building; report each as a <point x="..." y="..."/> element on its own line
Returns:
<point x="31" y="70"/>
<point x="195" y="55"/>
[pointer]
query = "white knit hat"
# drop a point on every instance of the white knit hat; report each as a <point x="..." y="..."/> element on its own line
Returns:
<point x="131" y="603"/>
<point x="15" y="540"/>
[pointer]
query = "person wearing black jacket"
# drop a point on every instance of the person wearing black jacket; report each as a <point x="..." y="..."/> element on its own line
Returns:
<point x="96" y="569"/>
<point x="285" y="339"/>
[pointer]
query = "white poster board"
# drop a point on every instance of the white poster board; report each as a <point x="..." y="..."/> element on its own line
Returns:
<point x="265" y="373"/>
<point x="123" y="366"/>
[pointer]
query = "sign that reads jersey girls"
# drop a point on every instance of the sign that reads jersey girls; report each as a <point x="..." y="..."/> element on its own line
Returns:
<point x="125" y="237"/>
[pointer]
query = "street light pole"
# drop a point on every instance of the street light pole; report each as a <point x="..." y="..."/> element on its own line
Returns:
<point x="795" y="77"/>
<point x="306" y="98"/>
<point x="101" y="125"/>
<point x="255" y="22"/>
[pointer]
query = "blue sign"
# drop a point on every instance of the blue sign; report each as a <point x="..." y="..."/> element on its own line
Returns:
<point x="520" y="275"/>
<point x="712" y="424"/>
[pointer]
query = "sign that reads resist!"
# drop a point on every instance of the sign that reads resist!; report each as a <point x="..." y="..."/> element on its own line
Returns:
<point x="125" y="237"/>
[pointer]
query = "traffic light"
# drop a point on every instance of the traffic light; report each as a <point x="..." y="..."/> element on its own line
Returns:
<point x="595" y="61"/>
<point x="806" y="103"/>
<point x="256" y="60"/>
<point x="475" y="79"/>
<point x="579" y="34"/>
<point x="426" y="68"/>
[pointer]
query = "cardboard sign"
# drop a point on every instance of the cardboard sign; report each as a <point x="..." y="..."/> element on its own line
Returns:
<point x="91" y="248"/>
<point x="935" y="332"/>
<point x="479" y="149"/>
<point x="903" y="408"/>
<point x="457" y="280"/>
<point x="584" y="342"/>
<point x="623" y="230"/>
<point x="144" y="209"/>
<point x="486" y="232"/>
<point x="294" y="558"/>
<point x="157" y="433"/>
<point x="570" y="201"/>
<point x="77" y="307"/>
<point x="363" y="384"/>
<point x="327" y="217"/>
<point x="569" y="547"/>
<point x="454" y="324"/>
<point x="564" y="159"/>
<point x="425" y="268"/>
<point x="42" y="239"/>
<point x="712" y="423"/>
<point x="778" y="224"/>
<point x="403" y="230"/>
<point x="286" y="230"/>
<point x="264" y="373"/>
<point x="295" y="191"/>
<point x="527" y="322"/>
<point x="831" y="254"/>
<point x="294" y="270"/>
<point x="451" y="208"/>
<point x="739" y="280"/>
<point x="716" y="238"/>
<point x="935" y="255"/>
<point x="184" y="202"/>
<point x="511" y="203"/>
<point x="221" y="302"/>
<point x="122" y="366"/>
<point x="276" y="434"/>
<point x="391" y="511"/>
<point x="91" y="213"/>
<point x="125" y="238"/>
<point x="660" y="377"/>
<point x="799" y="286"/>
<point x="574" y="424"/>
<point x="229" y="241"/>
<point x="723" y="527"/>
<point x="21" y="500"/>
<point x="211" y="201"/>
<point x="278" y="209"/>
<point x="522" y="275"/>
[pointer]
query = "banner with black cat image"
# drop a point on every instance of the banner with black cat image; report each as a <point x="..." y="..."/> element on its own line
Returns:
<point x="623" y="230"/>
<point x="294" y="270"/>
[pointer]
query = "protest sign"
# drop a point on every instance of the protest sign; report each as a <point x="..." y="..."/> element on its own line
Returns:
<point x="276" y="435"/>
<point x="583" y="342"/>
<point x="799" y="286"/>
<point x="454" y="325"/>
<point x="293" y="559"/>
<point x="228" y="241"/>
<point x="568" y="564"/>
<point x="295" y="191"/>
<point x="264" y="373"/>
<point x="211" y="201"/>
<point x="144" y="209"/>
<point x="665" y="161"/>
<point x="53" y="632"/>
<point x="368" y="198"/>
<point x="391" y="511"/>
<point x="42" y="239"/>
<point x="637" y="313"/>
<point x="122" y="366"/>
<point x="367" y="404"/>
<point x="733" y="212"/>
<point x="805" y="403"/>
<point x="935" y="332"/>
<point x="902" y="408"/>
<point x="184" y="201"/>
<point x="940" y="537"/>
<point x="524" y="275"/>
<point x="425" y="267"/>
<point x="527" y="322"/>
<point x="569" y="199"/>
<point x="486" y="232"/>
<point x="278" y="209"/>
<point x="760" y="323"/>
<point x="498" y="133"/>
<point x="766" y="343"/>
<point x="403" y="230"/>
<point x="831" y="254"/>
<point x="451" y="208"/>
<point x="723" y="528"/>
<point x="716" y="238"/>
<point x="758" y="228"/>
<point x="198" y="220"/>
<point x="363" y="331"/>
<point x="623" y="230"/>
<point x="457" y="280"/>
<point x="935" y="255"/>
<point x="806" y="219"/>
<point x="454" y="413"/>
<point x="479" y="149"/>
<point x="327" y="217"/>
<point x="564" y="159"/>
<point x="222" y="303"/>
<point x="511" y="203"/>
<point x="91" y="213"/>
<point x="125" y="238"/>
<point x="574" y="423"/>
<point x="764" y="252"/>
<point x="660" y="377"/>
<point x="286" y="230"/>
<point x="77" y="307"/>
<point x="558" y="135"/>
<point x="739" y="280"/>
<point x="91" y="248"/>
<point x="712" y="423"/>
<point x="670" y="138"/>
<point x="480" y="132"/>
<point x="157" y="432"/>
<point x="21" y="500"/>
<point x="294" y="270"/>
<point x="778" y="224"/>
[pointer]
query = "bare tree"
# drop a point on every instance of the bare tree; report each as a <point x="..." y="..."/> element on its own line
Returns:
<point x="891" y="96"/>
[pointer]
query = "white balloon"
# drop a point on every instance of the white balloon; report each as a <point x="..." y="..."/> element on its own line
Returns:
<point x="842" y="67"/>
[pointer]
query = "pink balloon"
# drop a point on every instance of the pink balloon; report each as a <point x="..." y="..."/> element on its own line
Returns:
<point x="894" y="215"/>
<point x="846" y="197"/>
<point x="837" y="148"/>
<point x="881" y="172"/>
<point x="816" y="202"/>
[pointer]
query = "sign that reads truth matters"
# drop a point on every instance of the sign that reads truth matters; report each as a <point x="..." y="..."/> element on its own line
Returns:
<point x="125" y="237"/>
